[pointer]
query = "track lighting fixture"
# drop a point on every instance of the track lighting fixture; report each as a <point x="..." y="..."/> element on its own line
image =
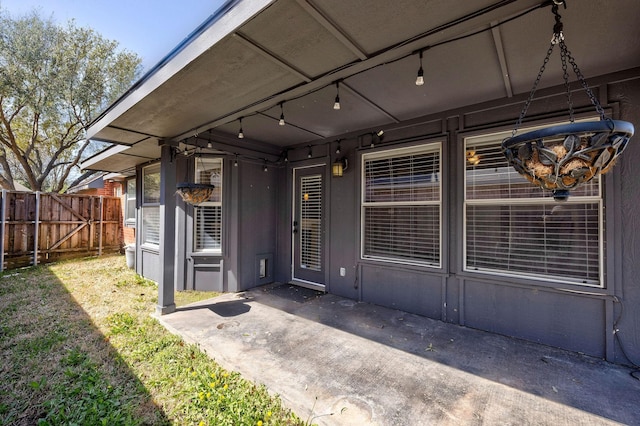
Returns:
<point x="379" y="135"/>
<point x="281" y="122"/>
<point x="336" y="104"/>
<point x="240" y="132"/>
<point x="420" y="77"/>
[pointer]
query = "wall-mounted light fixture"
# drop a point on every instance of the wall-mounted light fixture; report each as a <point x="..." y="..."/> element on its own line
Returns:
<point x="376" y="137"/>
<point x="339" y="167"/>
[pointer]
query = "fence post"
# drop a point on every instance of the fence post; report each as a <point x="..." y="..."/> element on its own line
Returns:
<point x="3" y="223"/>
<point x="36" y="231"/>
<point x="100" y="232"/>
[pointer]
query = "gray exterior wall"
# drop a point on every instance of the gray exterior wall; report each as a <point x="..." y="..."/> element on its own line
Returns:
<point x="579" y="320"/>
<point x="257" y="225"/>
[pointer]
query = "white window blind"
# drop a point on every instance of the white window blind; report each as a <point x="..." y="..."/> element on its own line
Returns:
<point x="208" y="231"/>
<point x="151" y="204"/>
<point x="311" y="222"/>
<point x="207" y="223"/>
<point x="515" y="228"/>
<point x="401" y="209"/>
<point x="151" y="225"/>
<point x="130" y="203"/>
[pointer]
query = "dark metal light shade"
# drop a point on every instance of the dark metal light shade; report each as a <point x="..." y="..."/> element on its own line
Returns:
<point x="194" y="193"/>
<point x="559" y="158"/>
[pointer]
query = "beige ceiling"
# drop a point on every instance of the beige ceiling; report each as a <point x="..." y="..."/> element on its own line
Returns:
<point x="260" y="53"/>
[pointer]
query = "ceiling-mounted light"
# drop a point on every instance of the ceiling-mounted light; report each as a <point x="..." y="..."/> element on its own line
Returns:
<point x="338" y="148"/>
<point x="209" y="144"/>
<point x="281" y="122"/>
<point x="235" y="162"/>
<point x="310" y="153"/>
<point x="379" y="135"/>
<point x="240" y="132"/>
<point x="286" y="156"/>
<point x="336" y="104"/>
<point x="264" y="168"/>
<point x="420" y="77"/>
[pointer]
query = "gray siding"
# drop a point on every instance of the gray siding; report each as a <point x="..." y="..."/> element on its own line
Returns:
<point x="520" y="308"/>
<point x="258" y="219"/>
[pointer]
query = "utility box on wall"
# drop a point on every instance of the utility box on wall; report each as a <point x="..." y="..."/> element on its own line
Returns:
<point x="264" y="269"/>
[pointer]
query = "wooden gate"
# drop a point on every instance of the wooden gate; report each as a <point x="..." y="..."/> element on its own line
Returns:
<point x="45" y="227"/>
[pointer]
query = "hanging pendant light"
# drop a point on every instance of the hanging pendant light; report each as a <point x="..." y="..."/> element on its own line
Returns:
<point x="560" y="158"/>
<point x="281" y="122"/>
<point x="240" y="132"/>
<point x="420" y="77"/>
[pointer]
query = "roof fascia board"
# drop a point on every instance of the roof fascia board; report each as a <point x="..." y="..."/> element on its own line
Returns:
<point x="226" y="25"/>
<point x="112" y="150"/>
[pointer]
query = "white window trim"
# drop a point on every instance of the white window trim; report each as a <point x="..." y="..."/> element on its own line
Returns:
<point x="143" y="204"/>
<point x="129" y="222"/>
<point x="199" y="162"/>
<point x="490" y="139"/>
<point x="429" y="147"/>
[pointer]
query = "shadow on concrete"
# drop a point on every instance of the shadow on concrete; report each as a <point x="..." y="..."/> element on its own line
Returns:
<point x="571" y="379"/>
<point x="322" y="353"/>
<point x="231" y="308"/>
<point x="56" y="362"/>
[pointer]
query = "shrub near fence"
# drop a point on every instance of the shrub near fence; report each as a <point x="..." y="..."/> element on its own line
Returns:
<point x="45" y="227"/>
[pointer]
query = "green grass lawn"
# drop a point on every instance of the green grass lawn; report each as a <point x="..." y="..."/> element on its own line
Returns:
<point x="78" y="346"/>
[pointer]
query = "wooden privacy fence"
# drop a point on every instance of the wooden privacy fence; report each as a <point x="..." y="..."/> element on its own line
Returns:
<point x="45" y="227"/>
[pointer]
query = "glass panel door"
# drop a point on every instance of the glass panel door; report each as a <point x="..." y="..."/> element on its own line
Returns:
<point x="308" y="225"/>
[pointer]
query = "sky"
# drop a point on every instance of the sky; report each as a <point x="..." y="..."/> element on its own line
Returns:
<point x="150" y="28"/>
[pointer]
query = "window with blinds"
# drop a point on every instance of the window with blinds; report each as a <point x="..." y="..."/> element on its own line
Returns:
<point x="130" y="203"/>
<point x="401" y="205"/>
<point x="151" y="205"/>
<point x="514" y="228"/>
<point x="311" y="222"/>
<point x="207" y="216"/>
<point x="151" y="225"/>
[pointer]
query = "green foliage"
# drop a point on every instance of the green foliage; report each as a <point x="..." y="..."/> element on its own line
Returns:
<point x="83" y="349"/>
<point x="53" y="81"/>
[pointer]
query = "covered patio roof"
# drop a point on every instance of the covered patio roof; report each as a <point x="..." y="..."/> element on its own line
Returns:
<point x="257" y="59"/>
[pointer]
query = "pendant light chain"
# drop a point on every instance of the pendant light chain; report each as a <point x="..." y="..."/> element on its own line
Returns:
<point x="533" y="90"/>
<point x="565" y="56"/>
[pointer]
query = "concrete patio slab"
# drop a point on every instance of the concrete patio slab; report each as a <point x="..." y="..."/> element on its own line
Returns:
<point x="341" y="362"/>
